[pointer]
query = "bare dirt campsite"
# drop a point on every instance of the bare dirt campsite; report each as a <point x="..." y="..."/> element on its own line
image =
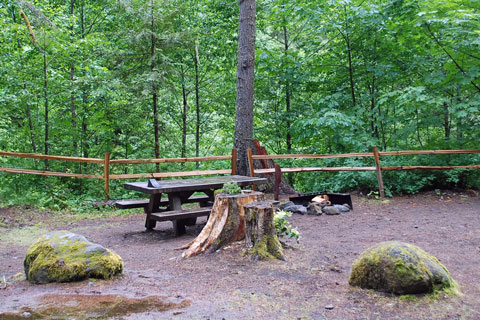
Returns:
<point x="312" y="283"/>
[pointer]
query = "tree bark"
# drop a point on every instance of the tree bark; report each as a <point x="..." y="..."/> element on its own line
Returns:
<point x="184" y="114"/>
<point x="287" y="96"/>
<point x="197" y="106"/>
<point x="45" y="94"/>
<point x="226" y="223"/>
<point x="154" y="92"/>
<point x="245" y="83"/>
<point x="72" y="86"/>
<point x="261" y="239"/>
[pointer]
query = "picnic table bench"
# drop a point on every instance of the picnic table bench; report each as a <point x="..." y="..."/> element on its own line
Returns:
<point x="179" y="192"/>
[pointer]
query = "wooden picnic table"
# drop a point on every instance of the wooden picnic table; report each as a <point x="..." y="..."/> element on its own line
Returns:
<point x="179" y="192"/>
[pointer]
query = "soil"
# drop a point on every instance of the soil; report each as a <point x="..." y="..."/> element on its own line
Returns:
<point x="311" y="284"/>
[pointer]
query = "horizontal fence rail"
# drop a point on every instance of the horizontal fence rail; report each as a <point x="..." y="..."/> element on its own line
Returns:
<point x="277" y="170"/>
<point x="106" y="162"/>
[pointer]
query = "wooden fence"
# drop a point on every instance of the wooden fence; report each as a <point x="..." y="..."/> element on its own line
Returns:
<point x="277" y="170"/>
<point x="106" y="162"/>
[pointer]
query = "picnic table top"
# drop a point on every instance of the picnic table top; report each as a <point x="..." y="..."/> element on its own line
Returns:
<point x="197" y="184"/>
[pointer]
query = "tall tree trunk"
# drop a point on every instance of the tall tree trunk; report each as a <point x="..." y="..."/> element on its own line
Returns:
<point x="45" y="95"/>
<point x="84" y="142"/>
<point x="184" y="114"/>
<point x="287" y="96"/>
<point x="349" y="53"/>
<point x="72" y="86"/>
<point x="245" y="83"/>
<point x="197" y="105"/>
<point x="446" y="120"/>
<point x="154" y="90"/>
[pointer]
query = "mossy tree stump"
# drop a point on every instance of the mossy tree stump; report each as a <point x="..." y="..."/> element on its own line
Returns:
<point x="226" y="223"/>
<point x="261" y="238"/>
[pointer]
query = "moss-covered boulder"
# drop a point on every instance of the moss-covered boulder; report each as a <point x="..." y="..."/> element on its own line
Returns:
<point x="62" y="256"/>
<point x="400" y="268"/>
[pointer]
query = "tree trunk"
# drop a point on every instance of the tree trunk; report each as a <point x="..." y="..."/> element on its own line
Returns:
<point x="349" y="53"/>
<point x="72" y="86"/>
<point x="287" y="97"/>
<point x="184" y="114"/>
<point x="226" y="223"/>
<point x="245" y="83"/>
<point x="261" y="239"/>
<point x="154" y="92"/>
<point x="197" y="105"/>
<point x="446" y="120"/>
<point x="45" y="93"/>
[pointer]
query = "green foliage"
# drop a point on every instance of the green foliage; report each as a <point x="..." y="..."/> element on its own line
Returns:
<point x="397" y="74"/>
<point x="283" y="226"/>
<point x="229" y="188"/>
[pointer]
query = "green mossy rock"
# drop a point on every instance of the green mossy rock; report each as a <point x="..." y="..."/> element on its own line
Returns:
<point x="400" y="268"/>
<point x="62" y="256"/>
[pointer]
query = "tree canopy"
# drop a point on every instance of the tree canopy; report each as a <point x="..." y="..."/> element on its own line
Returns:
<point x="157" y="78"/>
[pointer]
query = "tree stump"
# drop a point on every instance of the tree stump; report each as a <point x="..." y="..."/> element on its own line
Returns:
<point x="261" y="237"/>
<point x="226" y="223"/>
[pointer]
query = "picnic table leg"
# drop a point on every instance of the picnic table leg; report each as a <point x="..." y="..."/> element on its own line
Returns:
<point x="152" y="206"/>
<point x="175" y="203"/>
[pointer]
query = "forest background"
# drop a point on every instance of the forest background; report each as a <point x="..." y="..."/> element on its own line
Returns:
<point x="157" y="78"/>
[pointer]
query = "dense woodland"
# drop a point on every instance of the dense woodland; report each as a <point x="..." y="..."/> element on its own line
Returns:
<point x="157" y="78"/>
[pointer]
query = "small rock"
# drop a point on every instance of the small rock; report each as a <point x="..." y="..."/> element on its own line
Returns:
<point x="314" y="209"/>
<point x="299" y="209"/>
<point x="347" y="205"/>
<point x="285" y="205"/>
<point x="329" y="307"/>
<point x="331" y="211"/>
<point x="26" y="315"/>
<point x="342" y="208"/>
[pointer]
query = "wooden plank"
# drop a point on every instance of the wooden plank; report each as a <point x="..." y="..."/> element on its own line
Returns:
<point x="198" y="184"/>
<point x="167" y="160"/>
<point x="180" y="214"/>
<point x="381" y="187"/>
<point x="234" y="162"/>
<point x="48" y="157"/>
<point x="430" y="167"/>
<point x="310" y="156"/>
<point x="106" y="174"/>
<point x="409" y="152"/>
<point x="50" y="173"/>
<point x="334" y="169"/>
<point x="168" y="174"/>
<point x="141" y="203"/>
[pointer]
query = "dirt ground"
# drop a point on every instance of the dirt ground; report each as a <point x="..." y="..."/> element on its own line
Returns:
<point x="311" y="284"/>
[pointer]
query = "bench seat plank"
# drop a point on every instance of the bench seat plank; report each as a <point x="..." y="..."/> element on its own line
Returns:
<point x="180" y="214"/>
<point x="141" y="203"/>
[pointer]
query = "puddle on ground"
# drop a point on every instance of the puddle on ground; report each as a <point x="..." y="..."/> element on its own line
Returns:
<point x="82" y="307"/>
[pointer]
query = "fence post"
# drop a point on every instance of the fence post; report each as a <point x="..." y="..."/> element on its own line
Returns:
<point x="250" y="164"/>
<point x="379" y="172"/>
<point x="234" y="161"/>
<point x="106" y="174"/>
<point x="278" y="180"/>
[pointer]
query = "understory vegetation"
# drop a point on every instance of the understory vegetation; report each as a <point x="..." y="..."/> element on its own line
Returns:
<point x="156" y="78"/>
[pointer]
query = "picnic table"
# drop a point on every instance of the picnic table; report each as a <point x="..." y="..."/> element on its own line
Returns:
<point x="179" y="192"/>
